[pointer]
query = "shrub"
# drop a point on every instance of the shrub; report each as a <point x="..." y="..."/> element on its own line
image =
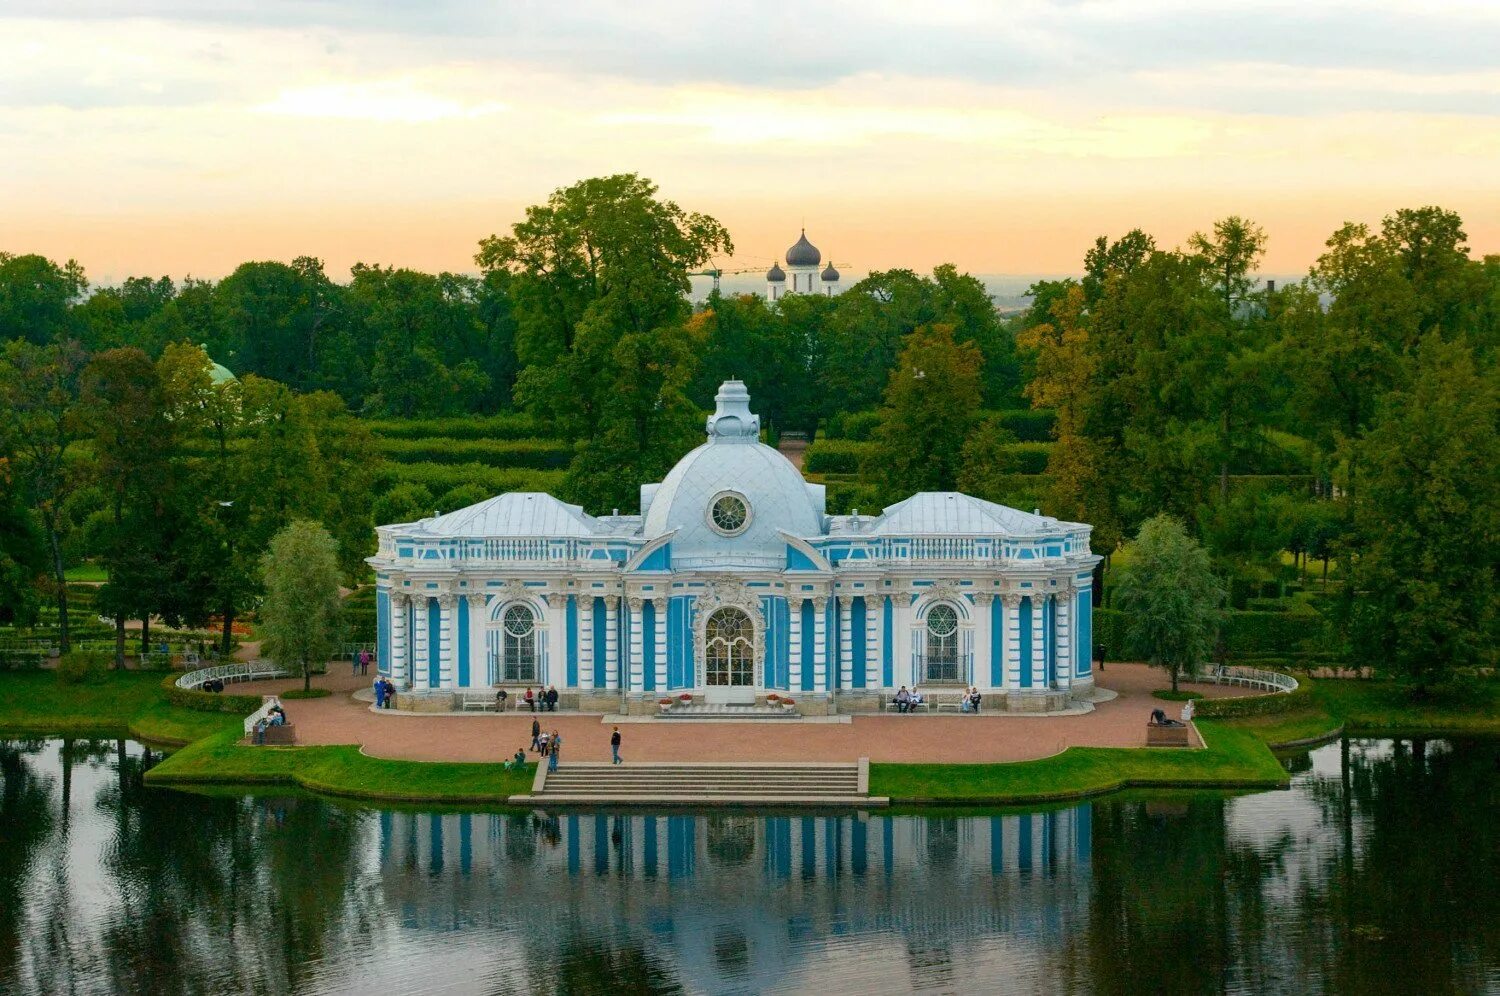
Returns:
<point x="1029" y="426"/>
<point x="1270" y="704"/>
<point x="310" y="693"/>
<point x="859" y="426"/>
<point x="439" y="478"/>
<point x="835" y="456"/>
<point x="536" y="454"/>
<point x="239" y="705"/>
<point x="79" y="666"/>
<point x="1027" y="458"/>
<point x="506" y="426"/>
<point x="845" y="496"/>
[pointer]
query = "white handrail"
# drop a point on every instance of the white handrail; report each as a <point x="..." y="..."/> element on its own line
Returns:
<point x="264" y="712"/>
<point x="1250" y="677"/>
<point x="238" y="671"/>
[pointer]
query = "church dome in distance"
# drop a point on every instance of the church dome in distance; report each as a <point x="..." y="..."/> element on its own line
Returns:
<point x="776" y="274"/>
<point x="829" y="273"/>
<point x="218" y="373"/>
<point x="804" y="253"/>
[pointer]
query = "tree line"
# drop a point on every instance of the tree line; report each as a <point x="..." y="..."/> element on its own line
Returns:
<point x="1349" y="416"/>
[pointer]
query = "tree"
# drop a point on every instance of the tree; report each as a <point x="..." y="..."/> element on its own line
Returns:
<point x="931" y="402"/>
<point x="605" y="254"/>
<point x="36" y="296"/>
<point x="300" y="617"/>
<point x="1171" y="598"/>
<point x="1427" y="522"/>
<point x="39" y="393"/>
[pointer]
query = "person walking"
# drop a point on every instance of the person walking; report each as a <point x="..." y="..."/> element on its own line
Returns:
<point x="555" y="751"/>
<point x="379" y="692"/>
<point x="536" y="734"/>
<point x="614" y="745"/>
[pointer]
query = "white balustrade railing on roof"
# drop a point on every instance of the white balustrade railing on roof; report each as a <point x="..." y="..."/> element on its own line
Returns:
<point x="1250" y="677"/>
<point x="255" y="670"/>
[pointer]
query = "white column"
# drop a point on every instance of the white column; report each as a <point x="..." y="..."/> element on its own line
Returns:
<point x="420" y="662"/>
<point x="612" y="642"/>
<point x="1038" y="641"/>
<point x="660" y="607"/>
<point x="846" y="641"/>
<point x="903" y="665"/>
<point x="557" y="638"/>
<point x="400" y="658"/>
<point x="984" y="635"/>
<point x="820" y="645"/>
<point x="447" y="640"/>
<point x="874" y="605"/>
<point x="1011" y="622"/>
<point x="586" y="641"/>
<point x="1063" y="652"/>
<point x="794" y="633"/>
<point x="479" y="658"/>
<point x="636" y="660"/>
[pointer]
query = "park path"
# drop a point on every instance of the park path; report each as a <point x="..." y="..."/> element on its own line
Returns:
<point x="339" y="719"/>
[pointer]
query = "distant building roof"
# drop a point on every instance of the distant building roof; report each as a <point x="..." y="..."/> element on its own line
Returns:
<point x="829" y="273"/>
<point x="804" y="253"/>
<point x="776" y="274"/>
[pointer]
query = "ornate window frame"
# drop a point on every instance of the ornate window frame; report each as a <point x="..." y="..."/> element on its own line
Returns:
<point x="728" y="593"/>
<point x="718" y="496"/>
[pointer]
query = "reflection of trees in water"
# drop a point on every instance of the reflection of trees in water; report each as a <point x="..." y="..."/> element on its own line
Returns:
<point x="942" y="841"/>
<point x="520" y="839"/>
<point x="586" y="964"/>
<point x="26" y="821"/>
<point x="731" y="839"/>
<point x="1408" y="900"/>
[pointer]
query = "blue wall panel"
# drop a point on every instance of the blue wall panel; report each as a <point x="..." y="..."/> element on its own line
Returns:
<point x="887" y="639"/>
<point x="383" y="632"/>
<point x="572" y="642"/>
<point x="1051" y="617"/>
<point x="860" y="645"/>
<point x="648" y="645"/>
<point x="1025" y="620"/>
<point x="434" y="635"/>
<point x="997" y="643"/>
<point x="463" y="643"/>
<point x="807" y="645"/>
<point x="1084" y="635"/>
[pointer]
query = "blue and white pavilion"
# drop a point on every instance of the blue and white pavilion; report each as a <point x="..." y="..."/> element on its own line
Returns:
<point x="733" y="582"/>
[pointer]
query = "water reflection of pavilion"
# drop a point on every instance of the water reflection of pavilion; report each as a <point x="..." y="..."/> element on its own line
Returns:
<point x="726" y="896"/>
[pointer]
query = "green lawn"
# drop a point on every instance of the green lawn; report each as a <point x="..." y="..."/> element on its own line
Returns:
<point x="1290" y="727"/>
<point x="339" y="771"/>
<point x="128" y="703"/>
<point x="1234" y="758"/>
<point x="1385" y="707"/>
<point x="86" y="572"/>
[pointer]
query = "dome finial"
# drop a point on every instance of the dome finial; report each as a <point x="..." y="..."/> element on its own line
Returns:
<point x="732" y="420"/>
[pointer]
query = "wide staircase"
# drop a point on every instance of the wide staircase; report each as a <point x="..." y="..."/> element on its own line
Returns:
<point x="705" y="784"/>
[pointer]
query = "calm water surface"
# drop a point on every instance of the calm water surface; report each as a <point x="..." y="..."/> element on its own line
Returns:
<point x="1379" y="871"/>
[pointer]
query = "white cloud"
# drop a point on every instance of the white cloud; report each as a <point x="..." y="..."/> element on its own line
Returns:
<point x="382" y="100"/>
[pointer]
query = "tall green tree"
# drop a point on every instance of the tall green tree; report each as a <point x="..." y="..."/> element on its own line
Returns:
<point x="931" y="403"/>
<point x="39" y="393"/>
<point x="301" y="614"/>
<point x="36" y="298"/>
<point x="1171" y="598"/>
<point x="603" y="259"/>
<point x="1427" y="522"/>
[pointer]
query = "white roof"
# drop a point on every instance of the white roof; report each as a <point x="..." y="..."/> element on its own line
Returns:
<point x="953" y="513"/>
<point x="516" y="513"/>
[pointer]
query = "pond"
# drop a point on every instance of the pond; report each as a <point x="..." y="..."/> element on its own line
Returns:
<point x="1376" y="872"/>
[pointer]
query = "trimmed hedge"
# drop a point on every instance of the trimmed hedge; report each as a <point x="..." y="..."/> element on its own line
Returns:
<point x="1029" y="426"/>
<point x="858" y="426"/>
<point x="834" y="456"/>
<point x="844" y="497"/>
<point x="1271" y="704"/>
<point x="440" y="478"/>
<point x="531" y="454"/>
<point x="1028" y="458"/>
<point x="1247" y="635"/>
<point x="240" y="705"/>
<point x="512" y="425"/>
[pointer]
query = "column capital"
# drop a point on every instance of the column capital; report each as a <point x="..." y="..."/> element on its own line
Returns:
<point x="795" y="599"/>
<point x="400" y="597"/>
<point x="475" y="598"/>
<point x="983" y="598"/>
<point x="611" y="602"/>
<point x="820" y="602"/>
<point x="635" y="602"/>
<point x="660" y="601"/>
<point x="446" y="599"/>
<point x="556" y="599"/>
<point x="1012" y="599"/>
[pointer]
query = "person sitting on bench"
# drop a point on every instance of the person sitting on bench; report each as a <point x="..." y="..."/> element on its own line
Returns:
<point x="903" y="700"/>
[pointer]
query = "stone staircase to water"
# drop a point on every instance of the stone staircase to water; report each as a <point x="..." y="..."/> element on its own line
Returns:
<point x="703" y="784"/>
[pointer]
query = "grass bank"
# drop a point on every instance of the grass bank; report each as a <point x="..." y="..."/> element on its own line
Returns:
<point x="124" y="704"/>
<point x="1234" y="758"/>
<point x="1385" y="708"/>
<point x="341" y="771"/>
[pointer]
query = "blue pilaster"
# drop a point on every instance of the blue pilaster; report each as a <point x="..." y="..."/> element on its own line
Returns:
<point x="462" y="650"/>
<point x="383" y="632"/>
<point x="1025" y="626"/>
<point x="887" y="637"/>
<point x="572" y="642"/>
<point x="997" y="643"/>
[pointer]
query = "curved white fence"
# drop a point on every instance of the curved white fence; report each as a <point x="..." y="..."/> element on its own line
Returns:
<point x="1250" y="677"/>
<point x="230" y="673"/>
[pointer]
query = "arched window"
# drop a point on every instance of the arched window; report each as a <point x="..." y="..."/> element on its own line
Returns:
<point x="942" y="643"/>
<point x="729" y="648"/>
<point x="518" y="657"/>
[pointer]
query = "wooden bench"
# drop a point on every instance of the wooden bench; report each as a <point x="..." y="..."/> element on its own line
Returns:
<point x="281" y="736"/>
<point x="1166" y="736"/>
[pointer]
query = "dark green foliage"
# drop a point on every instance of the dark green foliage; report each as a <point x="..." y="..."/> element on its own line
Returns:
<point x="1272" y="704"/>
<point x="534" y="454"/>
<point x="835" y="456"/>
<point x="238" y="705"/>
<point x="511" y="425"/>
<point x="80" y="666"/>
<point x="1029" y="426"/>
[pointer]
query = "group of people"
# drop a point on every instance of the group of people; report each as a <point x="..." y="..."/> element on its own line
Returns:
<point x="547" y="699"/>
<point x="360" y="663"/>
<point x="908" y="700"/>
<point x="547" y="744"/>
<point x="276" y="716"/>
<point x="385" y="692"/>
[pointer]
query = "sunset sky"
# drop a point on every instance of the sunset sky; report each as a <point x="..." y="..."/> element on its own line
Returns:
<point x="176" y="136"/>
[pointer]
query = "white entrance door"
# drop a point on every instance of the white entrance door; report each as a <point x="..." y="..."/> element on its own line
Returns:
<point x="729" y="657"/>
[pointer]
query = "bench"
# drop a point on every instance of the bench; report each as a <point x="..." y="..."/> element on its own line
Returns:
<point x="932" y="702"/>
<point x="1166" y="736"/>
<point x="281" y="736"/>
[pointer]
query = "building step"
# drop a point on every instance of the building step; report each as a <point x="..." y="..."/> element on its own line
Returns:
<point x="842" y="801"/>
<point x="646" y="783"/>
